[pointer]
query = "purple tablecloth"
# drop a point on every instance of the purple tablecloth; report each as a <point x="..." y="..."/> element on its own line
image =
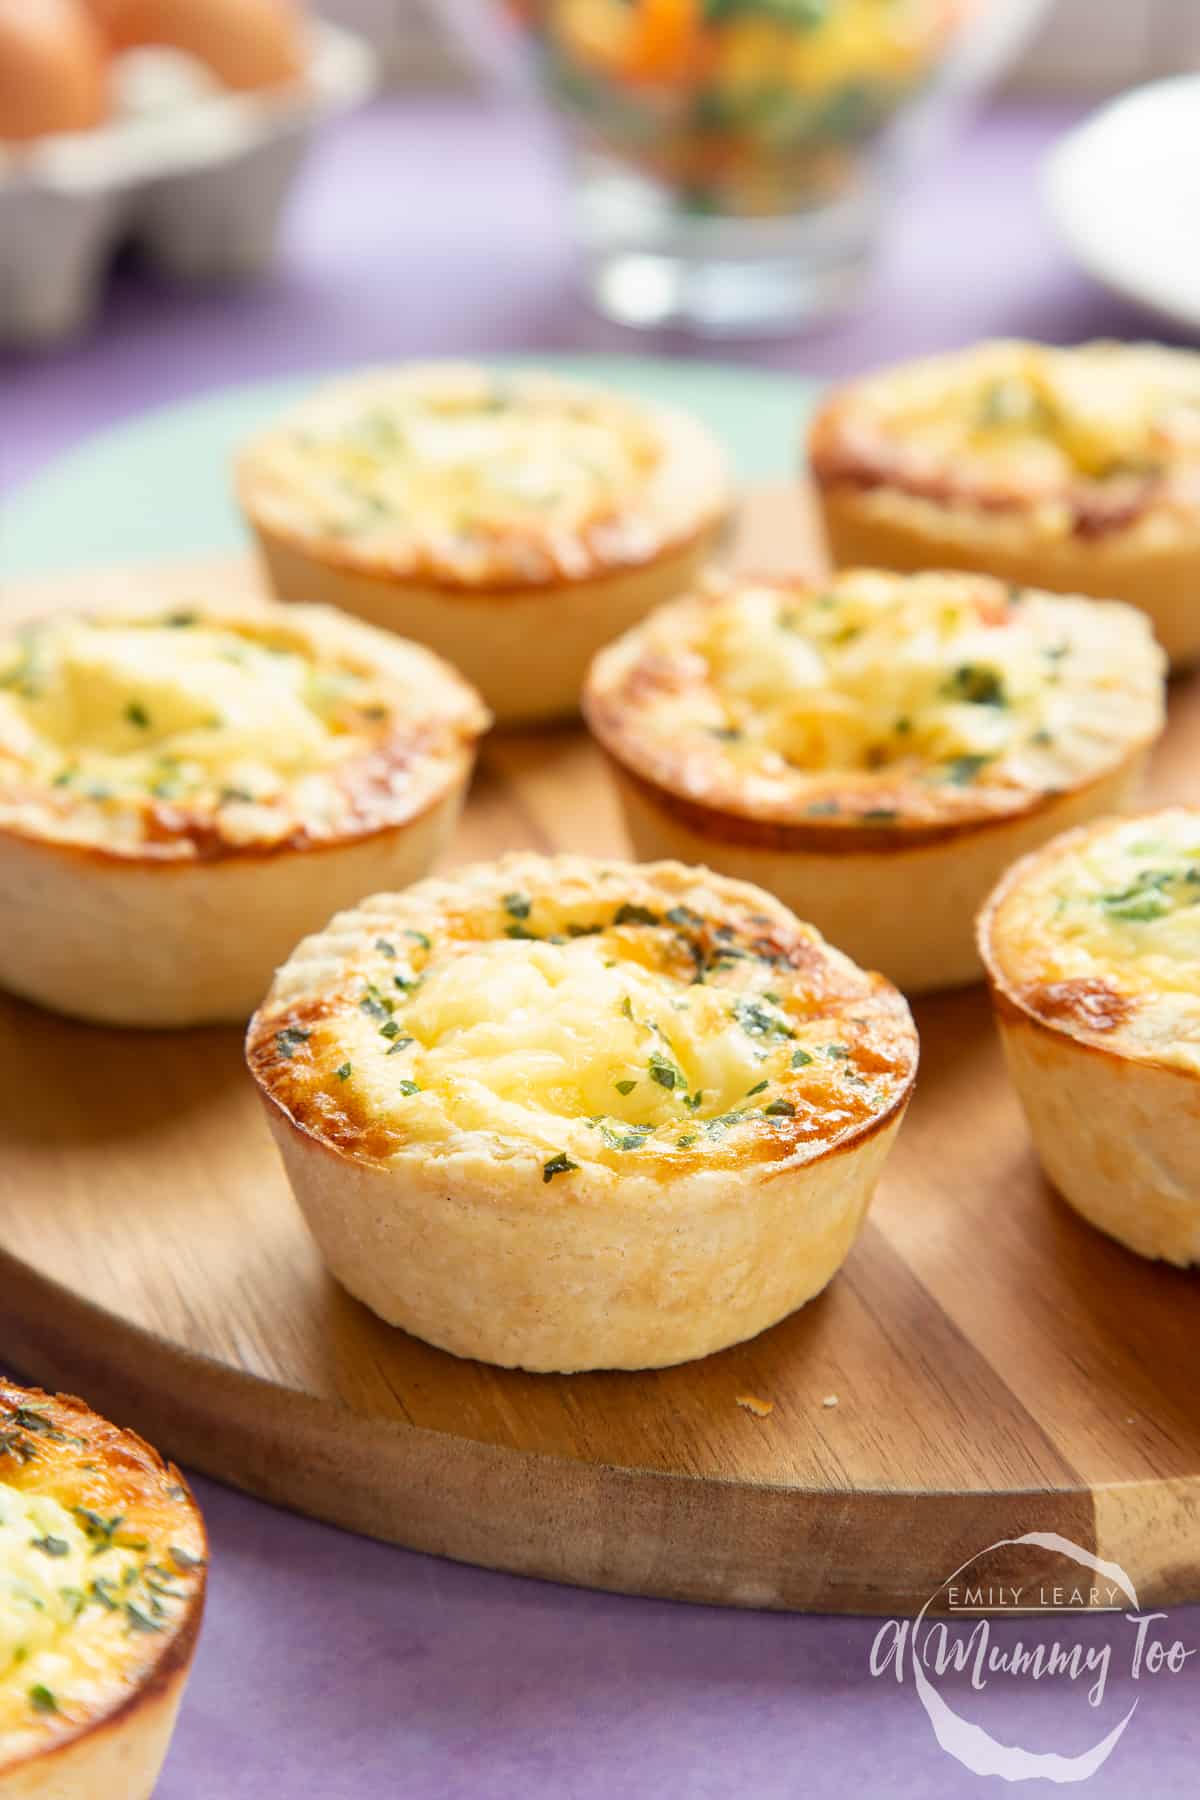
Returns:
<point x="331" y="1667"/>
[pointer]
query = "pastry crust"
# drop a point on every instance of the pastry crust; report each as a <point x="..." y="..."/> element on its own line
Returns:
<point x="852" y="745"/>
<point x="1076" y="470"/>
<point x="102" y="1582"/>
<point x="563" y="1114"/>
<point x="184" y="793"/>
<point x="514" y="523"/>
<point x="1092" y="947"/>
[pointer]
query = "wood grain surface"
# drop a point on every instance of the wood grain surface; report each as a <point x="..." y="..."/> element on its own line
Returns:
<point x="984" y="1366"/>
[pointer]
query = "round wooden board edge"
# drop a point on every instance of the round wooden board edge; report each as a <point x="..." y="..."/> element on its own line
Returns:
<point x="634" y="1531"/>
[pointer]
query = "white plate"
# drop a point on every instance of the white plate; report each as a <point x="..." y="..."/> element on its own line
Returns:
<point x="1124" y="191"/>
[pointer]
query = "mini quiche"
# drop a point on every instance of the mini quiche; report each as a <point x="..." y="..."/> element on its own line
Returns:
<point x="1076" y="470"/>
<point x="877" y="750"/>
<point x="1092" y="947"/>
<point x="183" y="794"/>
<point x="102" y="1574"/>
<point x="513" y="522"/>
<point x="562" y="1114"/>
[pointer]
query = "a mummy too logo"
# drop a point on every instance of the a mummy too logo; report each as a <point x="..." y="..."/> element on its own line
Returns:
<point x="1093" y="1656"/>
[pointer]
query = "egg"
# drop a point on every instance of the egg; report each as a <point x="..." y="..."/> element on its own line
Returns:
<point x="53" y="72"/>
<point x="246" y="43"/>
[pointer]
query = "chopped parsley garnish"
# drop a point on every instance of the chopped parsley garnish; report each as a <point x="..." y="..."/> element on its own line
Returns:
<point x="390" y="1029"/>
<point x="880" y="815"/>
<point x="624" y="1087"/>
<point x="633" y="1139"/>
<point x="558" y="1165"/>
<point x="183" y="1559"/>
<point x="520" y="931"/>
<point x="408" y="984"/>
<point x="105" y="1592"/>
<point x="41" y="1699"/>
<point x="399" y="1043"/>
<point x="289" y="1040"/>
<point x="725" y="734"/>
<point x="837" y="1052"/>
<point x="419" y="937"/>
<point x="761" y="1088"/>
<point x="517" y="906"/>
<point x="51" y="1546"/>
<point x="684" y="917"/>
<point x="665" y="1072"/>
<point x="137" y="715"/>
<point x="137" y="1619"/>
<point x="385" y="948"/>
<point x="780" y="1109"/>
<point x="99" y="1531"/>
<point x="627" y="1007"/>
<point x="800" y="1058"/>
<point x="343" y="1074"/>
<point x="408" y="1088"/>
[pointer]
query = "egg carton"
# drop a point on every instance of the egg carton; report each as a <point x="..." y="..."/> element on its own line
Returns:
<point x="194" y="173"/>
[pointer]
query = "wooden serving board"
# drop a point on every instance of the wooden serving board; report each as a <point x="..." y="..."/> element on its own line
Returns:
<point x="997" y="1366"/>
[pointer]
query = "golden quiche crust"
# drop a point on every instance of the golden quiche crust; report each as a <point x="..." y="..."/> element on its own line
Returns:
<point x="567" y="1052"/>
<point x="102" y="1582"/>
<point x="1072" y="469"/>
<point x="184" y="793"/>
<point x="1092" y="947"/>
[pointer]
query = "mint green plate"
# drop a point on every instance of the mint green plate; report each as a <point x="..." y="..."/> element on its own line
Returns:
<point x="158" y="487"/>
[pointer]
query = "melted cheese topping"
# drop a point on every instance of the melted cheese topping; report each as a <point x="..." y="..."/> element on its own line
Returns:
<point x="1085" y="438"/>
<point x="197" y="732"/>
<point x="101" y="1558"/>
<point x="589" y="1013"/>
<point x="1101" y="935"/>
<point x="477" y="479"/>
<point x="880" y="700"/>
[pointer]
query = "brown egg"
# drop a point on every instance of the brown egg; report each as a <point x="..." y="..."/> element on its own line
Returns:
<point x="246" y="43"/>
<point x="53" y="71"/>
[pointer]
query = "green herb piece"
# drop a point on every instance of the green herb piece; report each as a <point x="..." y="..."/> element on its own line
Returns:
<point x="800" y="1058"/>
<point x="375" y="1004"/>
<point x="977" y="684"/>
<point x="419" y="937"/>
<point x="725" y="734"/>
<point x="385" y="948"/>
<point x="390" y="1029"/>
<point x="41" y="1699"/>
<point x="880" y="815"/>
<point x="633" y="1139"/>
<point x="686" y="1141"/>
<point x="761" y="1088"/>
<point x="780" y="1109"/>
<point x="343" y="1074"/>
<point x="625" y="1087"/>
<point x="558" y="1165"/>
<point x="684" y="917"/>
<point x="184" y="1560"/>
<point x="104" y="1593"/>
<point x="289" y="1040"/>
<point x="51" y="1546"/>
<point x="408" y="1088"/>
<point x="664" y="1072"/>
<point x="520" y="931"/>
<point x="137" y="715"/>
<point x="837" y="1052"/>
<point x="400" y="1043"/>
<point x="627" y="1007"/>
<point x="99" y="1531"/>
<point x="756" y="1021"/>
<point x="694" y="1101"/>
<point x="137" y="1619"/>
<point x="517" y="906"/>
<point x="636" y="915"/>
<point x="962" y="770"/>
<point x="408" y="984"/>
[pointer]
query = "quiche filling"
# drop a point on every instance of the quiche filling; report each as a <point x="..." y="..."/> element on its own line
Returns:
<point x="595" y="1028"/>
<point x="1105" y="938"/>
<point x="91" y="1581"/>
<point x="1087" y="439"/>
<point x="880" y="700"/>
<point x="465" y="475"/>
<point x="193" y="733"/>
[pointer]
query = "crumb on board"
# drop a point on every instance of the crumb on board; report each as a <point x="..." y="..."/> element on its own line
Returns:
<point x="762" y="1409"/>
<point x="830" y="1400"/>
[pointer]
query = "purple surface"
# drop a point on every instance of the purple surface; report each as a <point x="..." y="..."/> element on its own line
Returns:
<point x="331" y="1667"/>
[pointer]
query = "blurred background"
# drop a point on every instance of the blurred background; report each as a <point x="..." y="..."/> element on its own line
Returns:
<point x="199" y="192"/>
